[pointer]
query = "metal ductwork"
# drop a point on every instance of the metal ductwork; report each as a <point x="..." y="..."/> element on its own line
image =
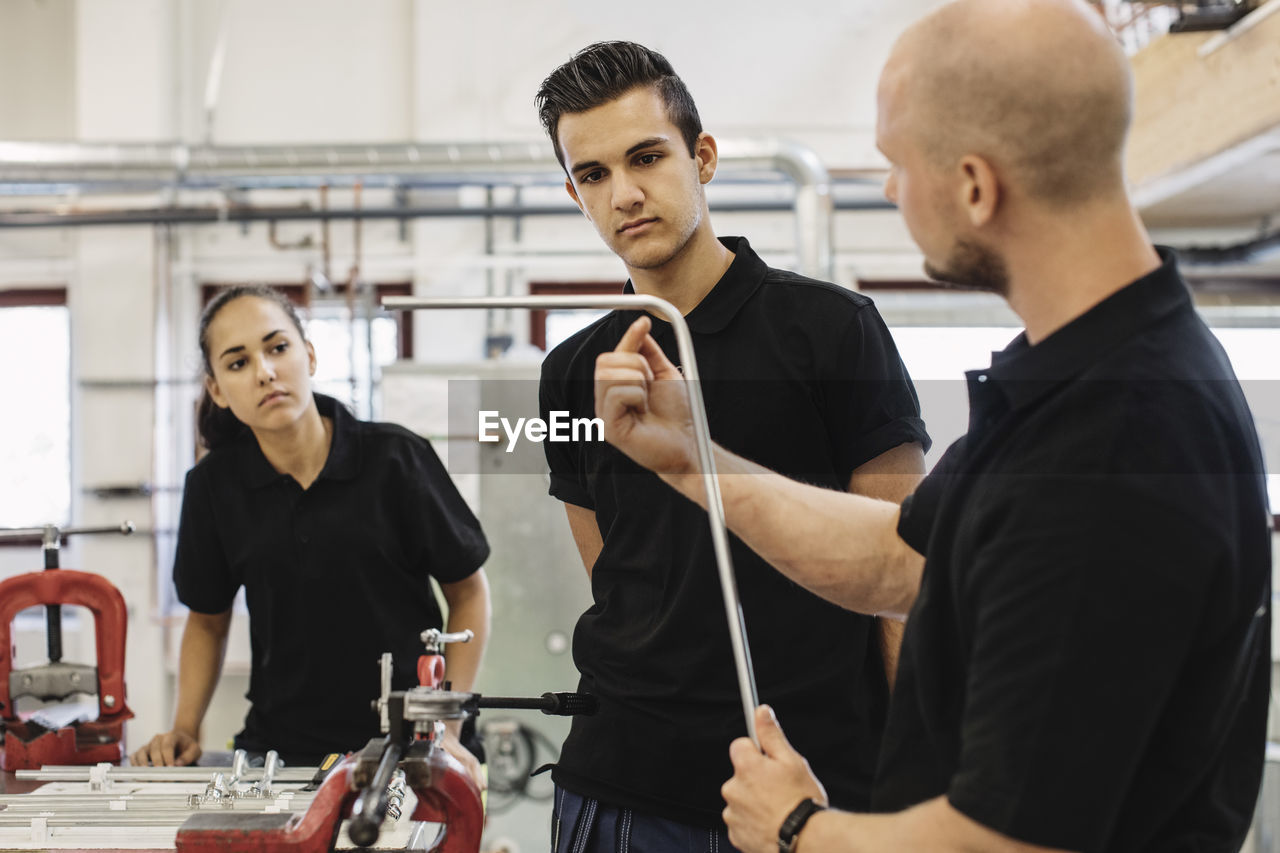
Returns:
<point x="28" y="168"/>
<point x="1260" y="248"/>
<point x="40" y="168"/>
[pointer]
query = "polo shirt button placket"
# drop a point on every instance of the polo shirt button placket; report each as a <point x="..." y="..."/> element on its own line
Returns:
<point x="299" y="527"/>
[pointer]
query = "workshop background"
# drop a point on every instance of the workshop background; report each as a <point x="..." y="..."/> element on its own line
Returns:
<point x="151" y="150"/>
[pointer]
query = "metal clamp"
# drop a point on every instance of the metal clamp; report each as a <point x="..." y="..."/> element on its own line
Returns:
<point x="53" y="681"/>
<point x="434" y="639"/>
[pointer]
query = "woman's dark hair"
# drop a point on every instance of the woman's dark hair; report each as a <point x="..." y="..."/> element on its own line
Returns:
<point x="216" y="425"/>
<point x="605" y="71"/>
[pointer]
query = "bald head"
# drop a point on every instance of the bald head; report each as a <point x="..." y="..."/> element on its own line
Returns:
<point x="1039" y="88"/>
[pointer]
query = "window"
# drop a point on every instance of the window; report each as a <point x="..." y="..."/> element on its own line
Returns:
<point x="1253" y="355"/>
<point x="549" y="328"/>
<point x="937" y="356"/>
<point x="35" y="432"/>
<point x="350" y="353"/>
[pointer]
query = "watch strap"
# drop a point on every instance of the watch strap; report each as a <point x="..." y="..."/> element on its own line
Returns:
<point x="790" y="829"/>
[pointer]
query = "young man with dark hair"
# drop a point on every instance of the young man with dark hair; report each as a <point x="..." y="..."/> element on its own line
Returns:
<point x="1088" y="571"/>
<point x="799" y="375"/>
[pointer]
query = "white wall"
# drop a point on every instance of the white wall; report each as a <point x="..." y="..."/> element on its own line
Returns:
<point x="38" y="92"/>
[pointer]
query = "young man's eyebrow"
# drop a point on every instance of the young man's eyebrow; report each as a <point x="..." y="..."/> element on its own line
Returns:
<point x="646" y="143"/>
<point x="240" y="348"/>
<point x="639" y="146"/>
<point x="586" y="164"/>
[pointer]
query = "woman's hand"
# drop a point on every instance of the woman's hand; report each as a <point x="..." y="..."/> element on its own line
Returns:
<point x="175" y="748"/>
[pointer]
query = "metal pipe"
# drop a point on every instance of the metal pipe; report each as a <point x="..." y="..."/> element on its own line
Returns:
<point x="21" y="802"/>
<point x="156" y="166"/>
<point x="702" y="432"/>
<point x="813" y="202"/>
<point x="1253" y="250"/>
<point x="218" y="215"/>
<point x="35" y="167"/>
<point x="179" y="807"/>
<point x="70" y="773"/>
<point x="116" y="819"/>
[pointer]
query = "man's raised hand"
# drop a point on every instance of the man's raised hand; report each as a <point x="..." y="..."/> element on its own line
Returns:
<point x="645" y="414"/>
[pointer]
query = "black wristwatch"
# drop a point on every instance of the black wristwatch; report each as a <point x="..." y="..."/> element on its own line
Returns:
<point x="790" y="829"/>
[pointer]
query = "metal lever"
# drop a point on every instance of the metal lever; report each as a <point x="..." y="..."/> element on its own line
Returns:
<point x="262" y="787"/>
<point x="370" y="807"/>
<point x="239" y="764"/>
<point x="124" y="528"/>
<point x="434" y="638"/>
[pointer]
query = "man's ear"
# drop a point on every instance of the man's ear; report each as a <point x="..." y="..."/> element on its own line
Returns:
<point x="573" y="194"/>
<point x="215" y="392"/>
<point x="979" y="190"/>
<point x="311" y="358"/>
<point x="707" y="154"/>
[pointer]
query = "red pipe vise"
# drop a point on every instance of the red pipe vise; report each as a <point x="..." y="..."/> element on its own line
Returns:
<point x="29" y="745"/>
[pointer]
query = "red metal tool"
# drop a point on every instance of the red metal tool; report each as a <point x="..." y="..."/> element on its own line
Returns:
<point x="28" y="744"/>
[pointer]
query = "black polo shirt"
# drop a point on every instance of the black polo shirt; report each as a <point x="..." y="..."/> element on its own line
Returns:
<point x="334" y="575"/>
<point x="802" y="377"/>
<point x="1088" y="663"/>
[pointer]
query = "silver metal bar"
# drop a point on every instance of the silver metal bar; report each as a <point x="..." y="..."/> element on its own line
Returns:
<point x="50" y="802"/>
<point x="124" y="527"/>
<point x="42" y="167"/>
<point x="702" y="432"/>
<point x="115" y="819"/>
<point x="436" y="637"/>
<point x="71" y="773"/>
<point x="179" y="810"/>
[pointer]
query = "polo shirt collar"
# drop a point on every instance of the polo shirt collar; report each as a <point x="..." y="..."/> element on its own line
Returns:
<point x="344" y="451"/>
<point x="343" y="462"/>
<point x="1023" y="373"/>
<point x="714" y="313"/>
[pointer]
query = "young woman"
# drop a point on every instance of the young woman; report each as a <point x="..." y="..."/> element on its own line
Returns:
<point x="333" y="526"/>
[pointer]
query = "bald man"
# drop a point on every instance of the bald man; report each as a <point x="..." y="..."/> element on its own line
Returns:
<point x="1087" y="571"/>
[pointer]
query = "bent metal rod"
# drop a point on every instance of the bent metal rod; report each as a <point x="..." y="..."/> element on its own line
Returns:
<point x="711" y="483"/>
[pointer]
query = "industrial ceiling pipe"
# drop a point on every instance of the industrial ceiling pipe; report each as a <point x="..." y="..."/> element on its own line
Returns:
<point x="35" y="168"/>
<point x="1257" y="249"/>
<point x="212" y="215"/>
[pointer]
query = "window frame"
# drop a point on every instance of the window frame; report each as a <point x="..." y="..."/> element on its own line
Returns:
<point x="538" y="316"/>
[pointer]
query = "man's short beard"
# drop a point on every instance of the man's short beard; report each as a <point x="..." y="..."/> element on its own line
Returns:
<point x="972" y="266"/>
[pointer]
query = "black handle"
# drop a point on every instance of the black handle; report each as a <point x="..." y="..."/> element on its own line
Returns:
<point x="552" y="704"/>
<point x="371" y="806"/>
